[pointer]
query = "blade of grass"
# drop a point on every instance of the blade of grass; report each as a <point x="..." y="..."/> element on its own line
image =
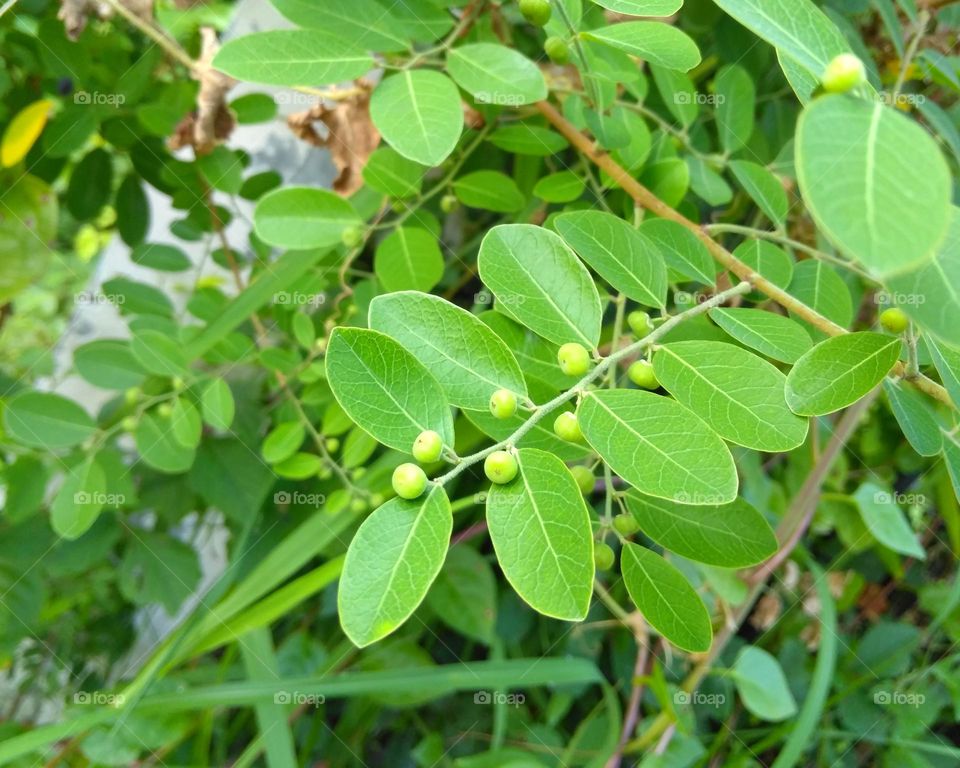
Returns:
<point x="260" y="662"/>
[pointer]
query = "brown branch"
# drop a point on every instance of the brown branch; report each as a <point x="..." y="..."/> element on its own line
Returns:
<point x="646" y="199"/>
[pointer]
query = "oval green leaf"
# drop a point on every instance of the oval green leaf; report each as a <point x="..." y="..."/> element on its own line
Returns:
<point x="495" y="74"/>
<point x="298" y="218"/>
<point x="770" y="334"/>
<point x="45" y="420"/>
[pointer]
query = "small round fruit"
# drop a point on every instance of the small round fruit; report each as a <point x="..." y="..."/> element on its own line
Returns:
<point x="503" y="403"/>
<point x="427" y="447"/>
<point x="536" y="11"/>
<point x="409" y="481"/>
<point x="351" y="237"/>
<point x="574" y="359"/>
<point x="625" y="524"/>
<point x="584" y="477"/>
<point x="131" y="395"/>
<point x="165" y="410"/>
<point x="567" y="427"/>
<point x="449" y="203"/>
<point x="129" y="424"/>
<point x="603" y="556"/>
<point x="843" y="74"/>
<point x="333" y="444"/>
<point x="640" y="323"/>
<point x="358" y="505"/>
<point x="500" y="467"/>
<point x="558" y="51"/>
<point x="641" y="373"/>
<point x="894" y="320"/>
<point x="178" y="384"/>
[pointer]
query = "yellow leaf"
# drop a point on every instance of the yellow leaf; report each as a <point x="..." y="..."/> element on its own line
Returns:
<point x="23" y="131"/>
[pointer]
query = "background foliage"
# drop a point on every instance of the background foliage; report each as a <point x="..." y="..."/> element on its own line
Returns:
<point x="773" y="472"/>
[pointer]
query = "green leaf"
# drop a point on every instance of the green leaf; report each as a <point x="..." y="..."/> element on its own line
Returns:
<point x="133" y="210"/>
<point x="642" y="7"/>
<point x="951" y="457"/>
<point x="561" y="187"/>
<point x="741" y="396"/>
<point x="819" y="286"/>
<point x="157" y="353"/>
<point x="929" y="295"/>
<point x="293" y="57"/>
<point x="796" y="27"/>
<point x="542" y="282"/>
<point x="364" y="21"/>
<point x="768" y="333"/>
<point x="298" y="218"/>
<point x="857" y="164"/>
<point x="299" y="466"/>
<point x="166" y="258"/>
<point x="915" y="417"/>
<point x="108" y="364"/>
<point x="135" y="298"/>
<point x="79" y="501"/>
<point x="540" y="529"/>
<point x="947" y="362"/>
<point x="666" y="599"/>
<point x="159" y="447"/>
<point x="467" y="358"/>
<point x="767" y="260"/>
<point x="495" y="74"/>
<point x="762" y="685"/>
<point x="158" y="569"/>
<point x="489" y="191"/>
<point x="652" y="41"/>
<point x="682" y="250"/>
<point x="736" y="102"/>
<point x="419" y="114"/>
<point x="408" y="259"/>
<point x="706" y="183"/>
<point x="464" y="595"/>
<point x="389" y="172"/>
<point x="764" y="189"/>
<point x="526" y="139"/>
<point x="619" y="253"/>
<point x="47" y="421"/>
<point x="282" y="441"/>
<point x="839" y="371"/>
<point x="185" y="423"/>
<point x="659" y="446"/>
<point x="385" y="389"/>
<point x="391" y="563"/>
<point x="91" y="184"/>
<point x="731" y="535"/>
<point x="886" y="521"/>
<point x="217" y="404"/>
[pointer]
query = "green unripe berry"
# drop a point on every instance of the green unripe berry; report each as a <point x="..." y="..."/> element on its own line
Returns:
<point x="376" y="500"/>
<point x="324" y="473"/>
<point x="574" y="359"/>
<point x="178" y="384"/>
<point x="641" y="373"/>
<point x="584" y="477"/>
<point x="536" y="11"/>
<point x="640" y="323"/>
<point x="567" y="427"/>
<point x="131" y="395"/>
<point x="843" y="74"/>
<point x="603" y="556"/>
<point x="625" y="524"/>
<point x="164" y="410"/>
<point x="449" y="203"/>
<point x="409" y="481"/>
<point x="503" y="404"/>
<point x="500" y="467"/>
<point x="558" y="51"/>
<point x="427" y="447"/>
<point x="351" y="237"/>
<point x="358" y="473"/>
<point x="333" y="444"/>
<point x="358" y="505"/>
<point x="129" y="424"/>
<point x="894" y="320"/>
